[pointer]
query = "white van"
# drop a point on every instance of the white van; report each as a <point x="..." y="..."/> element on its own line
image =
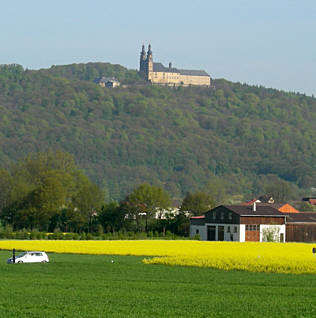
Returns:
<point x="30" y="257"/>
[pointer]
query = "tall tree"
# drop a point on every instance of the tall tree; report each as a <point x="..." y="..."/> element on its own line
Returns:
<point x="216" y="189"/>
<point x="87" y="201"/>
<point x="197" y="203"/>
<point x="45" y="187"/>
<point x="148" y="200"/>
<point x="112" y="217"/>
<point x="280" y="190"/>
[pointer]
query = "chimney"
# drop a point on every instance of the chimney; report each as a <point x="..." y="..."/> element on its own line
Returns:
<point x="170" y="65"/>
<point x="254" y="207"/>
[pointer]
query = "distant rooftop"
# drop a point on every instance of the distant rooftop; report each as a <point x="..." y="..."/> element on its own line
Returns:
<point x="159" y="67"/>
<point x="105" y="79"/>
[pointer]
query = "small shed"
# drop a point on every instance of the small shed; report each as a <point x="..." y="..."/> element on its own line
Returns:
<point x="301" y="227"/>
<point x="109" y="82"/>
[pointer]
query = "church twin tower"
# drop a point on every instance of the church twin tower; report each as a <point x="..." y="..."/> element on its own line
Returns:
<point x="157" y="73"/>
<point x="146" y="63"/>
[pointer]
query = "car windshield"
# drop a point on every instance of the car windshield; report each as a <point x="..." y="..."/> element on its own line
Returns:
<point x="22" y="254"/>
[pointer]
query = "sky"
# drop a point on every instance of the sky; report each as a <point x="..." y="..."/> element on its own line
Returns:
<point x="270" y="43"/>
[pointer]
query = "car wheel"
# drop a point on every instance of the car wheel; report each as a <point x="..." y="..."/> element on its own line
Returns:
<point x="44" y="261"/>
<point x="20" y="262"/>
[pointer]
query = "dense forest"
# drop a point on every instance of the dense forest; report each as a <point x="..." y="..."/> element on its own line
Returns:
<point x="177" y="138"/>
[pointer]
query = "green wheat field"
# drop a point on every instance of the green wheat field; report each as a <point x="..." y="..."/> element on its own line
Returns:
<point x="122" y="286"/>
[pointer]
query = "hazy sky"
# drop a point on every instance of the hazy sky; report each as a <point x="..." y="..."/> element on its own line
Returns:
<point x="270" y="43"/>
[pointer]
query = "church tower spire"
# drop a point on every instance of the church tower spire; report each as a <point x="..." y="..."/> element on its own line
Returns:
<point x="142" y="62"/>
<point x="149" y="64"/>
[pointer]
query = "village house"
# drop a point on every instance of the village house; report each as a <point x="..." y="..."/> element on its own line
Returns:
<point x="240" y="223"/>
<point x="311" y="201"/>
<point x="258" y="222"/>
<point x="109" y="82"/>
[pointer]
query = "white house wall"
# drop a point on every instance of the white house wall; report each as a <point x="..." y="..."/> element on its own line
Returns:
<point x="242" y="237"/>
<point x="280" y="229"/>
<point x="239" y="236"/>
<point x="198" y="230"/>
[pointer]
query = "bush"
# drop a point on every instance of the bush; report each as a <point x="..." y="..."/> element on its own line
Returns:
<point x="8" y="232"/>
<point x="83" y="236"/>
<point x="89" y="236"/>
<point x="75" y="236"/>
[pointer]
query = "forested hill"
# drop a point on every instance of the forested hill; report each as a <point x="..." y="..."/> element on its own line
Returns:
<point x="178" y="138"/>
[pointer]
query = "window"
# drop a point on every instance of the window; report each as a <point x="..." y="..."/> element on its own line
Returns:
<point x="230" y="215"/>
<point x="214" y="215"/>
<point x="197" y="231"/>
<point x="235" y="229"/>
<point x="253" y="227"/>
<point x="228" y="229"/>
<point x="222" y="215"/>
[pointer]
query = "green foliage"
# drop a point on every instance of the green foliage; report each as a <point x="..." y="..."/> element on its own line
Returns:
<point x="197" y="203"/>
<point x="307" y="207"/>
<point x="178" y="138"/>
<point x="280" y="190"/>
<point x="47" y="191"/>
<point x="112" y="217"/>
<point x="146" y="200"/>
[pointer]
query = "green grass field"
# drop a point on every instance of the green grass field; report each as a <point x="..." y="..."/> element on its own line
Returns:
<point x="92" y="286"/>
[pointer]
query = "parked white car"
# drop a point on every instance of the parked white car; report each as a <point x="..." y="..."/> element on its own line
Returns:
<point x="30" y="257"/>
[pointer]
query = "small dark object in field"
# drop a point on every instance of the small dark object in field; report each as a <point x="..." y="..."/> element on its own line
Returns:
<point x="314" y="250"/>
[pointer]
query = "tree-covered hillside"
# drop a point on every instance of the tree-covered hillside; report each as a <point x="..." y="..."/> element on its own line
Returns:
<point x="178" y="138"/>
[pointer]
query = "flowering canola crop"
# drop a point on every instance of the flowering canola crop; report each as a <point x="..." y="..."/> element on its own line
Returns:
<point x="256" y="257"/>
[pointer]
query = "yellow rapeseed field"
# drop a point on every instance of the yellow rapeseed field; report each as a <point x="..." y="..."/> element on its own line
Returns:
<point x="257" y="257"/>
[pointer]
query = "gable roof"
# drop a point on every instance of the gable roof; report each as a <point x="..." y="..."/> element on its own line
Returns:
<point x="281" y="207"/>
<point x="193" y="72"/>
<point x="302" y="217"/>
<point x="261" y="210"/>
<point x="159" y="67"/>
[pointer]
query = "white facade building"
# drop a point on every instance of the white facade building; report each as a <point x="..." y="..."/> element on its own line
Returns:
<point x="240" y="223"/>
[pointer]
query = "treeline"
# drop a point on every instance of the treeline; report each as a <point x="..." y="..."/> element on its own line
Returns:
<point x="176" y="138"/>
<point x="47" y="193"/>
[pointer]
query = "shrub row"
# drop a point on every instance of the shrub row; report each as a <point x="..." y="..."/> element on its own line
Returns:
<point x="36" y="235"/>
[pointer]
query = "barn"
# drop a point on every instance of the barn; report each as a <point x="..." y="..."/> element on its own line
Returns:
<point x="255" y="223"/>
<point x="240" y="223"/>
<point x="301" y="227"/>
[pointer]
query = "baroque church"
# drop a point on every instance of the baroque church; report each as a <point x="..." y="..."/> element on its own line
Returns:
<point x="157" y="73"/>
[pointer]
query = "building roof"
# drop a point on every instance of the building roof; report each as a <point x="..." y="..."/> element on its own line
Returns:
<point x="104" y="79"/>
<point x="193" y="72"/>
<point x="159" y="67"/>
<point x="281" y="207"/>
<point x="302" y="217"/>
<point x="261" y="210"/>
